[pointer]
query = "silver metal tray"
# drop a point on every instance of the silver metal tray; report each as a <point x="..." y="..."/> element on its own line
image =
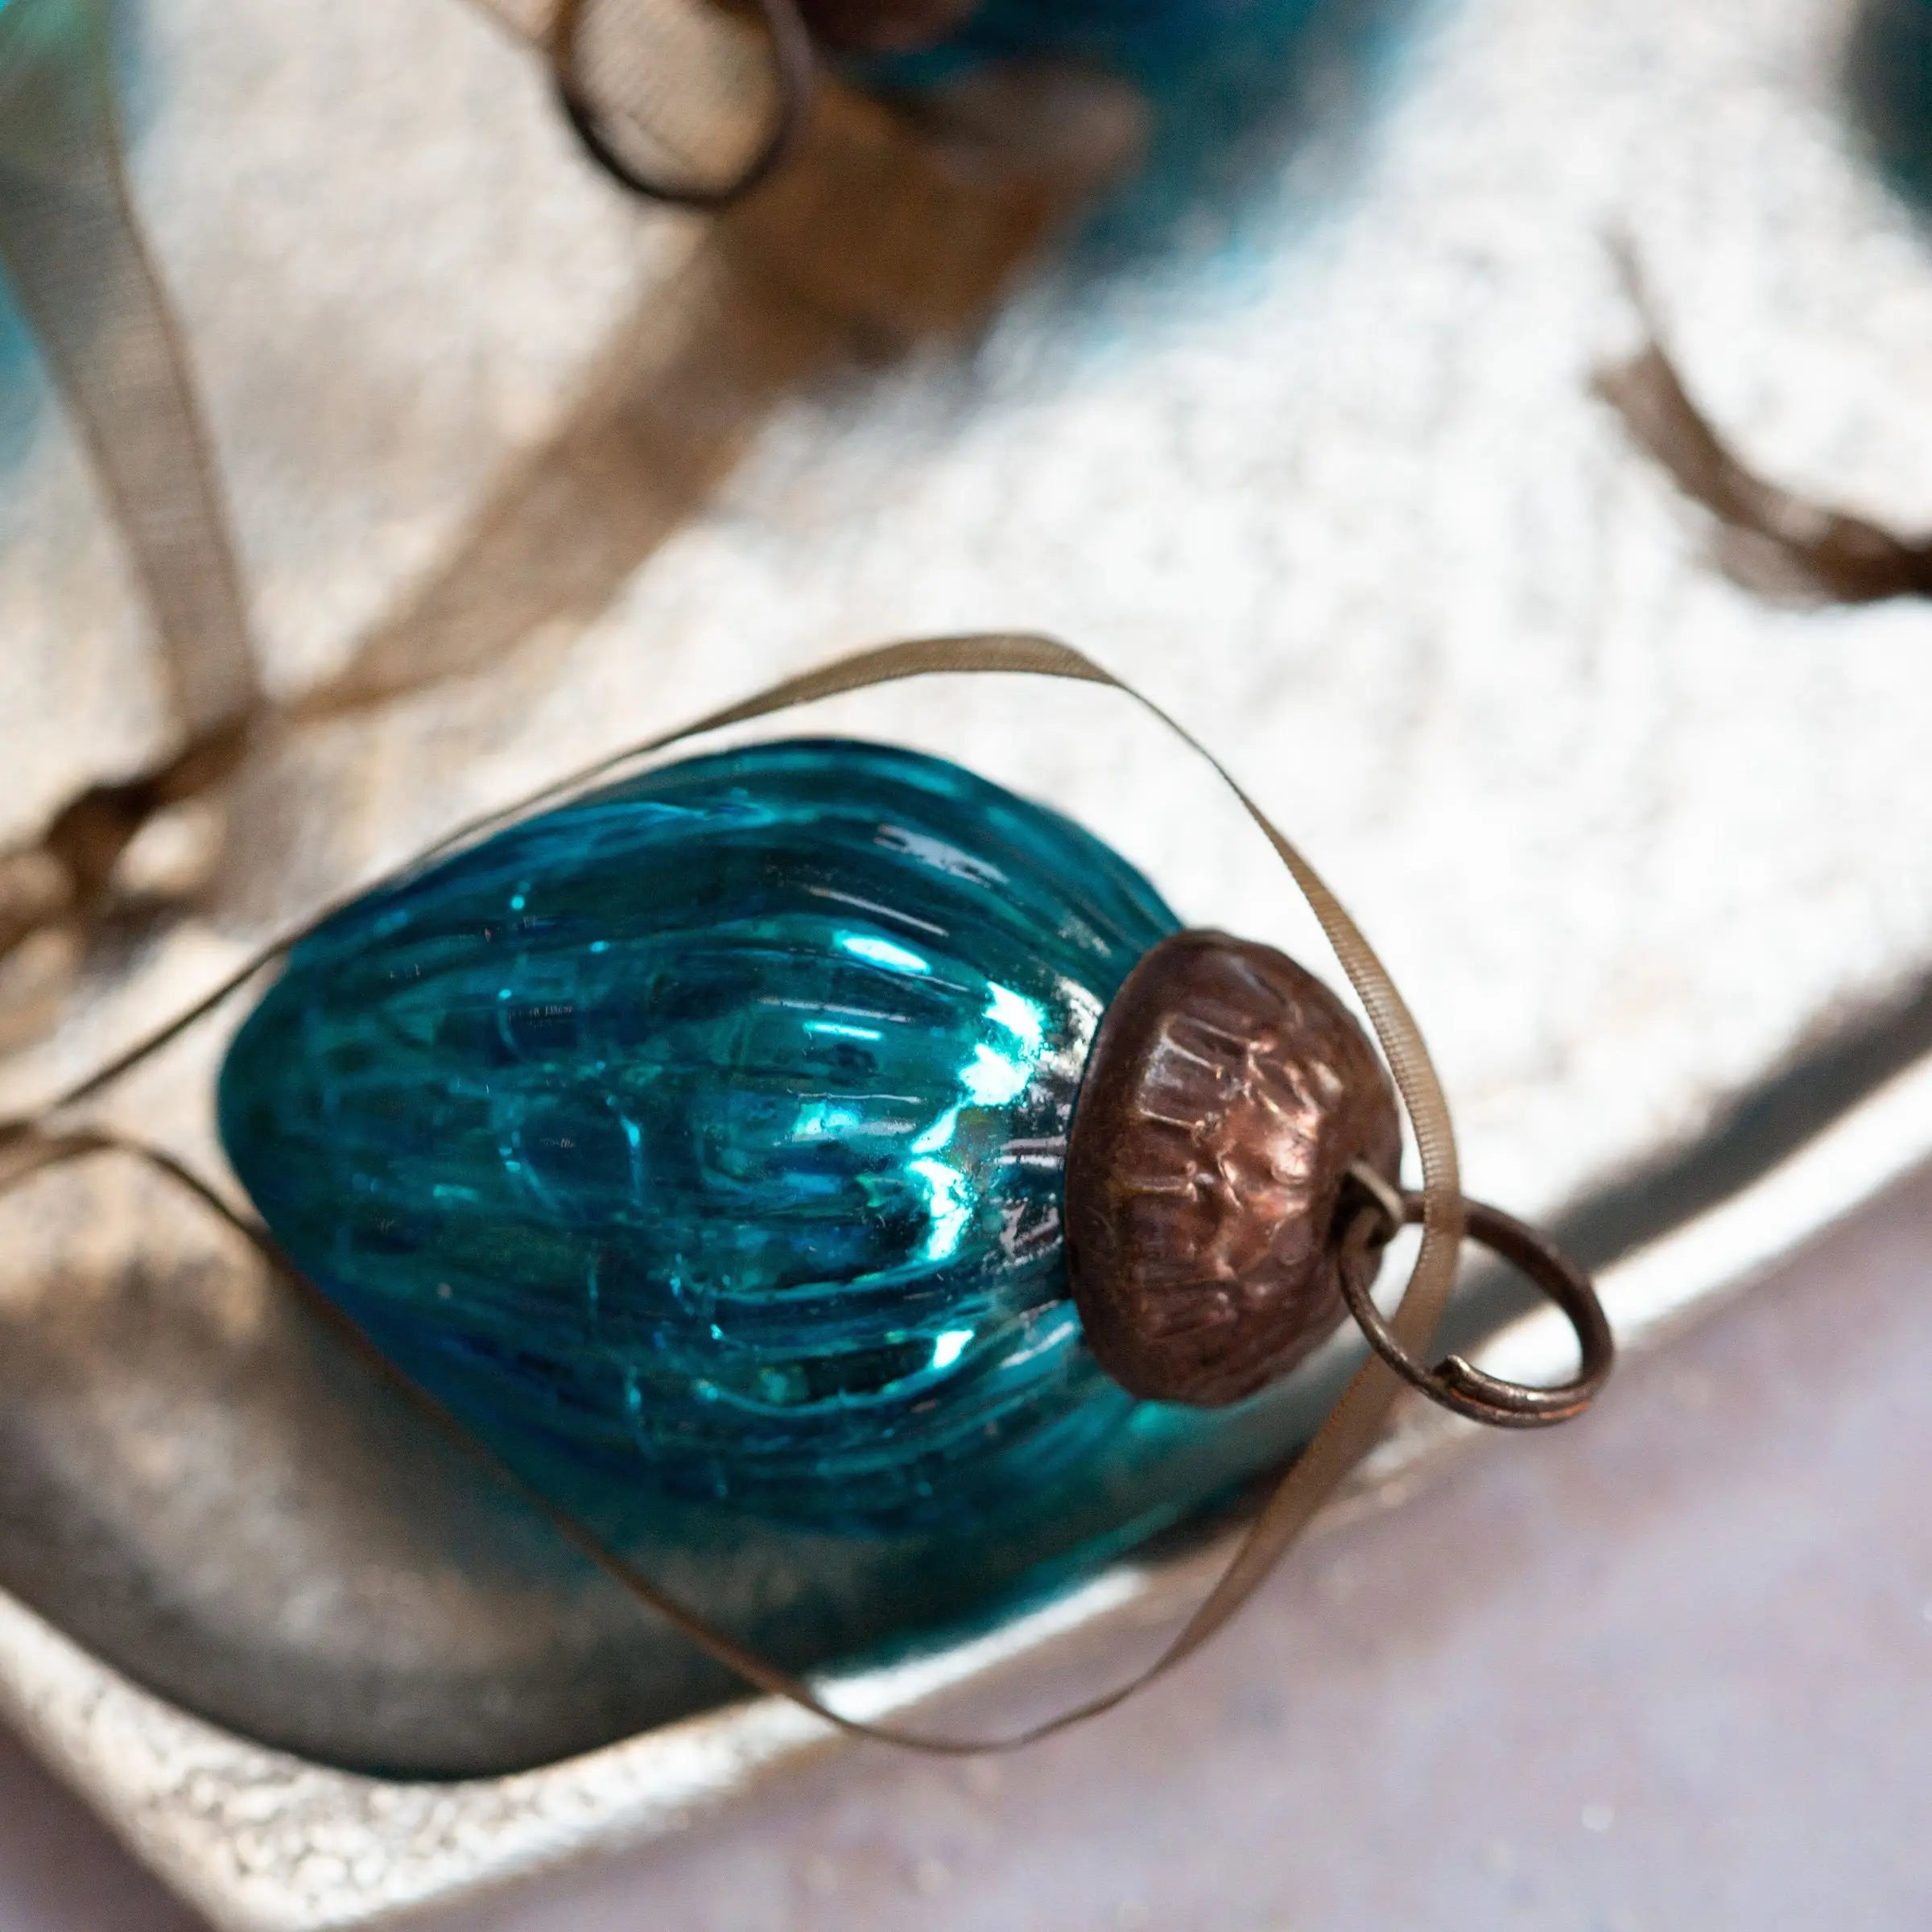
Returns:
<point x="1317" y="465"/>
<point x="263" y="1842"/>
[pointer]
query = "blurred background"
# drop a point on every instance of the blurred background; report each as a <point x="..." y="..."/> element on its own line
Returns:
<point x="1253" y="346"/>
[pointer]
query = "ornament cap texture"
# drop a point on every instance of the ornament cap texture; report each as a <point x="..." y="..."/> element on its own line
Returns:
<point x="1227" y="1095"/>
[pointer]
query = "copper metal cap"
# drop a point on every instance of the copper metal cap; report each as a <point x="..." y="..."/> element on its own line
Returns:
<point x="1227" y="1094"/>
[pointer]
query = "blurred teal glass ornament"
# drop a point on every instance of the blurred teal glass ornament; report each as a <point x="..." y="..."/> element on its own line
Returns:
<point x="1888" y="73"/>
<point x="588" y="1130"/>
<point x="1231" y="87"/>
<point x="711" y="1129"/>
<point x="1143" y="38"/>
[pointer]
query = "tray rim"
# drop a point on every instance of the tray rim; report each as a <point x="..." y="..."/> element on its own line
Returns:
<point x="261" y="1840"/>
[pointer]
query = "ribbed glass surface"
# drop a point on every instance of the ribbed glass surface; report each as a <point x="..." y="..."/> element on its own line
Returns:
<point x="712" y="1127"/>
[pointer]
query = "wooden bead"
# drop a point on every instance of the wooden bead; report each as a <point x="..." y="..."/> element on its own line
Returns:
<point x="1227" y="1093"/>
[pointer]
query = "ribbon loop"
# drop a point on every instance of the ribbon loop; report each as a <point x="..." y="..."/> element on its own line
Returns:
<point x="1346" y="1435"/>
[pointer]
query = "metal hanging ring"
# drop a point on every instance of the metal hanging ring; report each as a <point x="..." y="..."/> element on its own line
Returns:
<point x="1454" y="1383"/>
<point x="795" y="67"/>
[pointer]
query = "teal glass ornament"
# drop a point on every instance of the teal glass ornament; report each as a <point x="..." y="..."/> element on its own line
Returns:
<point x="1223" y="90"/>
<point x="702" y="1144"/>
<point x="712" y="1128"/>
<point x="1888" y="76"/>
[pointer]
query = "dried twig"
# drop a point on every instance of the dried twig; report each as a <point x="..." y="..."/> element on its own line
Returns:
<point x="1772" y="539"/>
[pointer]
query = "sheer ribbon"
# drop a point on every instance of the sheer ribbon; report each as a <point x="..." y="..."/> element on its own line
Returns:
<point x="72" y="246"/>
<point x="51" y="1139"/>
